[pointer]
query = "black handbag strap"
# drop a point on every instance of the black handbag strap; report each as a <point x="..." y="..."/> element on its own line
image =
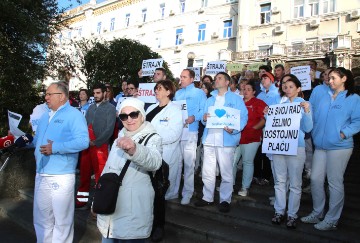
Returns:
<point x="126" y="166"/>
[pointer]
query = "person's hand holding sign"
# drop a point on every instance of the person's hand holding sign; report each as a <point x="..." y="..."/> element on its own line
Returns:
<point x="306" y="106"/>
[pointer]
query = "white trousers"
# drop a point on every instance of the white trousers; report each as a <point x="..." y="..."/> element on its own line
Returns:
<point x="54" y="202"/>
<point x="288" y="167"/>
<point x="332" y="164"/>
<point x="188" y="149"/>
<point x="225" y="157"/>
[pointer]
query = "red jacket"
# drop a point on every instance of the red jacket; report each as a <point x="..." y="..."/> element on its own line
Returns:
<point x="255" y="109"/>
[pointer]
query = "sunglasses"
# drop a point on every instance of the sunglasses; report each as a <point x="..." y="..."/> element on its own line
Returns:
<point x="133" y="115"/>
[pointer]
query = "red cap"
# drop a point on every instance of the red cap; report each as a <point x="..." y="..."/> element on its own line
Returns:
<point x="269" y="75"/>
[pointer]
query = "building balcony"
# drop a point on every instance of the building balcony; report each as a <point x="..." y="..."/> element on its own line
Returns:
<point x="286" y="52"/>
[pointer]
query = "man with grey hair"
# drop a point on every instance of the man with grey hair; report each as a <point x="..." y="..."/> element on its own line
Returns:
<point x="60" y="136"/>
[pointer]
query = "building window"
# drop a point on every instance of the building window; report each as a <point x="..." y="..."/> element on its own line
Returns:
<point x="314" y="7"/>
<point x="143" y="15"/>
<point x="179" y="39"/>
<point x="204" y="3"/>
<point x="201" y="32"/>
<point x="60" y="37"/>
<point x="298" y="9"/>
<point x="162" y="10"/>
<point x="182" y="6"/>
<point x="80" y="31"/>
<point x="158" y="42"/>
<point x="98" y="29"/>
<point x="265" y="13"/>
<point x="227" y="29"/>
<point x="127" y="20"/>
<point x="69" y="35"/>
<point x="112" y="24"/>
<point x="328" y="6"/>
<point x="231" y="1"/>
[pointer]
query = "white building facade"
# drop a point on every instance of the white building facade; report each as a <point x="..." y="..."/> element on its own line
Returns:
<point x="172" y="28"/>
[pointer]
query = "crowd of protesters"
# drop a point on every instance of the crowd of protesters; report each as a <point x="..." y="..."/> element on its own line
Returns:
<point x="330" y="117"/>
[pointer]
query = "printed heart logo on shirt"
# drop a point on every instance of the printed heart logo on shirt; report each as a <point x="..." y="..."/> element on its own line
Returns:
<point x="220" y="112"/>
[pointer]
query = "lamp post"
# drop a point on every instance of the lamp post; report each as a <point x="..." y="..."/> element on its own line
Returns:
<point x="191" y="57"/>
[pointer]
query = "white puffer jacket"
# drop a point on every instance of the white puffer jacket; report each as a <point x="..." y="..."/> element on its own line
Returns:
<point x="133" y="215"/>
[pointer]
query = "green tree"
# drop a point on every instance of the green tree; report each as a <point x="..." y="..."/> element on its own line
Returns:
<point x="26" y="29"/>
<point x="111" y="61"/>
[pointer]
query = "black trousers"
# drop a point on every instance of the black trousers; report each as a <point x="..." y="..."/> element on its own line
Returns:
<point x="262" y="165"/>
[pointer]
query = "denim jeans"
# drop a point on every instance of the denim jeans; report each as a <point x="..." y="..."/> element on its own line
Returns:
<point x="247" y="152"/>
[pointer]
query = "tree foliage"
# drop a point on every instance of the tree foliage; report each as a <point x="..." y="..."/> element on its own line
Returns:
<point x="26" y="29"/>
<point x="115" y="60"/>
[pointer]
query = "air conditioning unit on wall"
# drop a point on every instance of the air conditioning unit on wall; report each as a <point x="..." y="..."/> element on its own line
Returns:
<point x="178" y="48"/>
<point x="314" y="23"/>
<point x="214" y="35"/>
<point x="355" y="14"/>
<point x="279" y="29"/>
<point x="275" y="10"/>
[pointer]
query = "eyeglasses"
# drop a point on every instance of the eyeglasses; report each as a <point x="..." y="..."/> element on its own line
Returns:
<point x="50" y="94"/>
<point x="133" y="115"/>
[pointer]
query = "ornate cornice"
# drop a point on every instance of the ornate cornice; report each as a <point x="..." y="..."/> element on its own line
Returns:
<point x="114" y="6"/>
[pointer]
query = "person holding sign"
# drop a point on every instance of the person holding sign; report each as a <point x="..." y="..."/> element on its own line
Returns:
<point x="219" y="145"/>
<point x="250" y="137"/>
<point x="195" y="100"/>
<point x="336" y="121"/>
<point x="290" y="166"/>
<point x="166" y="117"/>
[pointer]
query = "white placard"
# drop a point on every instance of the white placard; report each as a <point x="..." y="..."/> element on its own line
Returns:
<point x="147" y="93"/>
<point x="148" y="66"/>
<point x="222" y="116"/>
<point x="303" y="74"/>
<point x="212" y="68"/>
<point x="183" y="107"/>
<point x="197" y="73"/>
<point x="38" y="111"/>
<point x="281" y="133"/>
<point x="14" y="121"/>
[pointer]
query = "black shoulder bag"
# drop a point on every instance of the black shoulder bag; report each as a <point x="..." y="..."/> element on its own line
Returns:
<point x="107" y="189"/>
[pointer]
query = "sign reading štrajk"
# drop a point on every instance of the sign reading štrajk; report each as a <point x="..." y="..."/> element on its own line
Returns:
<point x="212" y="68"/>
<point x="147" y="93"/>
<point x="222" y="116"/>
<point x="281" y="131"/>
<point x="148" y="66"/>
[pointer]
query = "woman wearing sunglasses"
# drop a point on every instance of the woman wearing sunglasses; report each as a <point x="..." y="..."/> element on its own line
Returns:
<point x="133" y="216"/>
<point x="166" y="117"/>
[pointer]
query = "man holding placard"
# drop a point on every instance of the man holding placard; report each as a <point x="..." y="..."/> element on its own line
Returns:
<point x="220" y="141"/>
<point x="195" y="101"/>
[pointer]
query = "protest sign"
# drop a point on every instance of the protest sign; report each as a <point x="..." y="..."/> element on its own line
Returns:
<point x="303" y="74"/>
<point x="281" y="131"/>
<point x="235" y="67"/>
<point x="255" y="66"/>
<point x="37" y="113"/>
<point x="14" y="121"/>
<point x="147" y="93"/>
<point x="212" y="68"/>
<point x="183" y="107"/>
<point x="221" y="116"/>
<point x="148" y="66"/>
<point x="197" y="73"/>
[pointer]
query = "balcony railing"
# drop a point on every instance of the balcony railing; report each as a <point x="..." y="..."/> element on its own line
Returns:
<point x="315" y="48"/>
